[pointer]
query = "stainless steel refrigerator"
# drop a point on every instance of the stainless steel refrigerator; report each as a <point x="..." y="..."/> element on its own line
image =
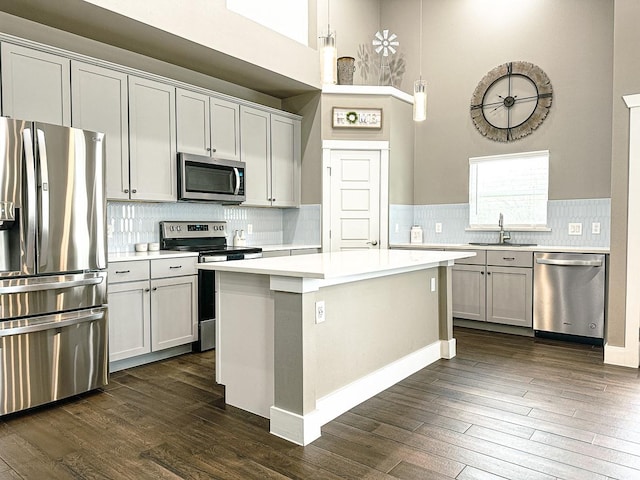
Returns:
<point x="53" y="279"/>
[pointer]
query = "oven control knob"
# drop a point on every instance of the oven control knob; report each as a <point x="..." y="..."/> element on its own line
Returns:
<point x="179" y="228"/>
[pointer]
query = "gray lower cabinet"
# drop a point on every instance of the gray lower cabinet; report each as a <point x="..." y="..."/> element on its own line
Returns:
<point x="100" y="103"/>
<point x="495" y="286"/>
<point x="35" y="85"/>
<point x="152" y="306"/>
<point x="152" y="141"/>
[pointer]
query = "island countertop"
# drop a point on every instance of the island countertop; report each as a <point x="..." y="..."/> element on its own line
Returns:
<point x="346" y="264"/>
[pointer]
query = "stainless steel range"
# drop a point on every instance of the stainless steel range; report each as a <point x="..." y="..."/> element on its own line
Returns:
<point x="209" y="239"/>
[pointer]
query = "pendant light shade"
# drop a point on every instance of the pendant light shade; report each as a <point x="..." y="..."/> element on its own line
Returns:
<point x="419" y="100"/>
<point x="328" y="53"/>
<point x="328" y="59"/>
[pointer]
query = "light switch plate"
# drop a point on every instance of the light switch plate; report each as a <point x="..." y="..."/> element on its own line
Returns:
<point x="575" y="229"/>
<point x="438" y="227"/>
<point x="320" y="312"/>
<point x="249" y="228"/>
<point x="595" y="228"/>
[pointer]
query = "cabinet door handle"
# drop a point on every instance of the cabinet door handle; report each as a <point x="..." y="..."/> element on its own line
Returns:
<point x="126" y="190"/>
<point x="134" y="191"/>
<point x="154" y="288"/>
<point x="123" y="271"/>
<point x="509" y="258"/>
<point x="147" y="289"/>
<point x="488" y="273"/>
<point x="481" y="273"/>
<point x="174" y="267"/>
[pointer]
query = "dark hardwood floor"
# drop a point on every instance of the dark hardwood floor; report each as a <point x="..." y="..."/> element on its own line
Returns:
<point x="505" y="407"/>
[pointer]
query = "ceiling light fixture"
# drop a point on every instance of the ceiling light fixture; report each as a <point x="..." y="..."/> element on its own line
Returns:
<point x="420" y="86"/>
<point x="328" y="53"/>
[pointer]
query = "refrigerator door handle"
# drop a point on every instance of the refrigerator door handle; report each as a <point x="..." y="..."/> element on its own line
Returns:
<point x="569" y="263"/>
<point x="31" y="207"/>
<point x="44" y="196"/>
<point x="51" y="285"/>
<point x="48" y="325"/>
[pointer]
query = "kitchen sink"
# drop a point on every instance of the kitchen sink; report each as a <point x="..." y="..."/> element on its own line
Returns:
<point x="504" y="244"/>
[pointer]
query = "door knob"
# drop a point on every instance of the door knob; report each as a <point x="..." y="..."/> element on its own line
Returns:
<point x="374" y="243"/>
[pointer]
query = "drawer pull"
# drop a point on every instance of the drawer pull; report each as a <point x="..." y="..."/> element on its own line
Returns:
<point x="123" y="271"/>
<point x="509" y="258"/>
<point x="174" y="267"/>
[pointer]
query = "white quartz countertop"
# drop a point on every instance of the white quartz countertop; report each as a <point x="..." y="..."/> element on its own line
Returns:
<point x="533" y="248"/>
<point x="335" y="265"/>
<point x="128" y="256"/>
<point x="285" y="246"/>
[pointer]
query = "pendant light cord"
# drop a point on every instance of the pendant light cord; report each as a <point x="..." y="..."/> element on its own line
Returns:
<point x="420" y="46"/>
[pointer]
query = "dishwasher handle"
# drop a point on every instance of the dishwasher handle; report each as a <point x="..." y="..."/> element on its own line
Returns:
<point x="569" y="263"/>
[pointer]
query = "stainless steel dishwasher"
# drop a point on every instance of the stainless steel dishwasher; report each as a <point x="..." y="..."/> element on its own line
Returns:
<point x="569" y="294"/>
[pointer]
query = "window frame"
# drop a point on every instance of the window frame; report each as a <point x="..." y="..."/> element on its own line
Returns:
<point x="474" y="161"/>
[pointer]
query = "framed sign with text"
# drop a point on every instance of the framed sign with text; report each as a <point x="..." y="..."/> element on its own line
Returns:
<point x="357" y="117"/>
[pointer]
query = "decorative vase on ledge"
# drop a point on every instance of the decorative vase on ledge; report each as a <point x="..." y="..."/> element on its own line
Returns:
<point x="346" y="67"/>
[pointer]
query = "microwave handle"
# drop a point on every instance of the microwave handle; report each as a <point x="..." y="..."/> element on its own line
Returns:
<point x="237" y="172"/>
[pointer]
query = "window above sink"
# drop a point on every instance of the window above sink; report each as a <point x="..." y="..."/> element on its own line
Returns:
<point x="514" y="185"/>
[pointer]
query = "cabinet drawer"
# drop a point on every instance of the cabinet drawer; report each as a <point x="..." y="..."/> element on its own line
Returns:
<point x="174" y="267"/>
<point x="128" y="271"/>
<point x="479" y="259"/>
<point x="511" y="258"/>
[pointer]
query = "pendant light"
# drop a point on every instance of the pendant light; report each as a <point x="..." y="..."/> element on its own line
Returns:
<point x="328" y="54"/>
<point x="420" y="86"/>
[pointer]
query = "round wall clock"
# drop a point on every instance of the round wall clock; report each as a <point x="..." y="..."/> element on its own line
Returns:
<point x="511" y="101"/>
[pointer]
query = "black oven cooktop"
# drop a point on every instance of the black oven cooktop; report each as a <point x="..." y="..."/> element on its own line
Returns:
<point x="209" y="239"/>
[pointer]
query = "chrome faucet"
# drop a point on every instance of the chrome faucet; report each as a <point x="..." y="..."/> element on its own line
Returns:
<point x="504" y="236"/>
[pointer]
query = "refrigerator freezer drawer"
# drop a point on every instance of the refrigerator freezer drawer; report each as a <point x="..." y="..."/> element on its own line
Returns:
<point x="47" y="358"/>
<point x="29" y="296"/>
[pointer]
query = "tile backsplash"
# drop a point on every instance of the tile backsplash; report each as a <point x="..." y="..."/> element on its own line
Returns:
<point x="455" y="219"/>
<point x="132" y="222"/>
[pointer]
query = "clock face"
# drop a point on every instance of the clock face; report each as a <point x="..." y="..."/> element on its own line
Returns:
<point x="511" y="101"/>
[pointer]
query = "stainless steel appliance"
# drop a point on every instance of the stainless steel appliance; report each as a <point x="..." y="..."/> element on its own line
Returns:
<point x="205" y="178"/>
<point x="209" y="239"/>
<point x="569" y="294"/>
<point x="53" y="313"/>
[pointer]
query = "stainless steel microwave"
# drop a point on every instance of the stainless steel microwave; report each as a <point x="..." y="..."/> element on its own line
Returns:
<point x="204" y="178"/>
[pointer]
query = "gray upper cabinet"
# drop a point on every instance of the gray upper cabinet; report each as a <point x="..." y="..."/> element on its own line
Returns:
<point x="255" y="150"/>
<point x="285" y="165"/>
<point x="270" y="145"/>
<point x="225" y="128"/>
<point x="99" y="103"/>
<point x="207" y="125"/>
<point x="35" y="85"/>
<point x="152" y="140"/>
<point x="194" y="133"/>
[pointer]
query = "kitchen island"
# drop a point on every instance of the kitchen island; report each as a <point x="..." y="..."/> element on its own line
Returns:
<point x="301" y="340"/>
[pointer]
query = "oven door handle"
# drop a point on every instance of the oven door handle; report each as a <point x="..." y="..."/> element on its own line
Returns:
<point x="236" y="171"/>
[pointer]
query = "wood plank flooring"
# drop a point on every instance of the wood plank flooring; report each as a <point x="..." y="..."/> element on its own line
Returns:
<point x="505" y="407"/>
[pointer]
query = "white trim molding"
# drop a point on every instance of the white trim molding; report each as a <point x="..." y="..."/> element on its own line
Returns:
<point x="303" y="429"/>
<point x="629" y="354"/>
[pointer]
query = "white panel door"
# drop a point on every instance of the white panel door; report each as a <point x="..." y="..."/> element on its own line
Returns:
<point x="355" y="199"/>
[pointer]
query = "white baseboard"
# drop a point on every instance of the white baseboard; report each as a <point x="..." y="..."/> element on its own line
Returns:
<point x="303" y="429"/>
<point x="622" y="356"/>
<point x="448" y="348"/>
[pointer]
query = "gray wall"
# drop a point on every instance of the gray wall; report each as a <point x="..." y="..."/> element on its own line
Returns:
<point x="626" y="80"/>
<point x="571" y="40"/>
